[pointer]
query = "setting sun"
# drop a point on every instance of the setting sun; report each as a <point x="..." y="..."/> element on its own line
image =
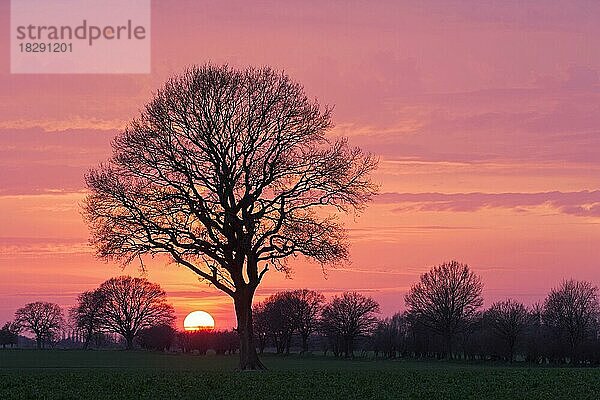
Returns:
<point x="199" y="321"/>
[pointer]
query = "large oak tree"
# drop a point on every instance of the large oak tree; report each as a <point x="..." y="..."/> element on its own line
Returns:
<point x="229" y="172"/>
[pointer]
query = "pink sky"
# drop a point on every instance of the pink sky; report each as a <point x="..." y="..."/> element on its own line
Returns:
<point x="486" y="116"/>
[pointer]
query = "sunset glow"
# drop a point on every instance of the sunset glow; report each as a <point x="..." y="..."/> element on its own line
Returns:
<point x="486" y="122"/>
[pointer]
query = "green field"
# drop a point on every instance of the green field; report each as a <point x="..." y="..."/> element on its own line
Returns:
<point x="70" y="374"/>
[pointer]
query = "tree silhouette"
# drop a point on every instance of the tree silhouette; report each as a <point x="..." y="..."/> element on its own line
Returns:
<point x="284" y="313"/>
<point x="9" y="334"/>
<point x="445" y="300"/>
<point x="570" y="311"/>
<point x="278" y="314"/>
<point x="306" y="306"/>
<point x="508" y="321"/>
<point x="134" y="304"/>
<point x="159" y="337"/>
<point x="42" y="319"/>
<point x="224" y="171"/>
<point x="389" y="337"/>
<point x="87" y="315"/>
<point x="261" y="326"/>
<point x="348" y="317"/>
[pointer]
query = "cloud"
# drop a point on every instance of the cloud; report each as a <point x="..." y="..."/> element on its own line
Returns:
<point x="69" y="124"/>
<point x="41" y="247"/>
<point x="582" y="204"/>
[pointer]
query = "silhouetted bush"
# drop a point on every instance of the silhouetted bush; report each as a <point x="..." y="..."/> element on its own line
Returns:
<point x="159" y="337"/>
<point x="222" y="342"/>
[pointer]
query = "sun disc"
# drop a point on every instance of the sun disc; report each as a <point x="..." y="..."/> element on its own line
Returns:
<point x="198" y="321"/>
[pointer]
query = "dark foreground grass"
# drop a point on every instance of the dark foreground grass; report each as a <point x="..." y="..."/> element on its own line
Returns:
<point x="28" y="374"/>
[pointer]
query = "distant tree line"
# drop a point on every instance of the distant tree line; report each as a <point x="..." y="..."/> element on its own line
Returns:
<point x="122" y="306"/>
<point x="443" y="318"/>
<point x="336" y="324"/>
<point x="121" y="312"/>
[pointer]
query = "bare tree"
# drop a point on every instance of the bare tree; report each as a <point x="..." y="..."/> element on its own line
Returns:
<point x="390" y="336"/>
<point x="445" y="299"/>
<point x="306" y="306"/>
<point x="43" y="319"/>
<point x="87" y="316"/>
<point x="508" y="321"/>
<point x="9" y="334"/>
<point x="134" y="304"/>
<point x="570" y="311"/>
<point x="261" y="326"/>
<point x="223" y="171"/>
<point x="535" y="340"/>
<point x="348" y="317"/>
<point x="278" y="313"/>
<point x="281" y="315"/>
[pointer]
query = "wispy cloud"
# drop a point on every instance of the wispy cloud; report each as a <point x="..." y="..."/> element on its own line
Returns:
<point x="583" y="203"/>
<point x="41" y="247"/>
<point x="54" y="125"/>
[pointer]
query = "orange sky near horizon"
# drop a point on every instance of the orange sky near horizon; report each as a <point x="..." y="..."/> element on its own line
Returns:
<point x="486" y="117"/>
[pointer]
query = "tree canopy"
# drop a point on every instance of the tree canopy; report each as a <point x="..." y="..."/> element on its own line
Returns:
<point x="43" y="319"/>
<point x="446" y="299"/>
<point x="229" y="172"/>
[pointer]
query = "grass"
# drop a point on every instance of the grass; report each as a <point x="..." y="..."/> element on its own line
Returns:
<point x="56" y="374"/>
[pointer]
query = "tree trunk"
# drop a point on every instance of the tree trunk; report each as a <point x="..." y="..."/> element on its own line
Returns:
<point x="348" y="347"/>
<point x="278" y="343"/>
<point x="511" y="346"/>
<point x="243" y="310"/>
<point x="129" y="340"/>
<point x="304" y="343"/>
<point x="38" y="342"/>
<point x="449" y="345"/>
<point x="288" y="342"/>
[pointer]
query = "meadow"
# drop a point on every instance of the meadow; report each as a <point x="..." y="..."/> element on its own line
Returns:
<point x="72" y="374"/>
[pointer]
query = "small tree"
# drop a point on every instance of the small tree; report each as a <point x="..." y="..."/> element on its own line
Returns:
<point x="390" y="335"/>
<point x="134" y="304"/>
<point x="508" y="321"/>
<point x="261" y="326"/>
<point x="229" y="172"/>
<point x="306" y="306"/>
<point x="536" y="336"/>
<point x="43" y="319"/>
<point x="570" y="311"/>
<point x="9" y="334"/>
<point x="278" y="314"/>
<point x="445" y="300"/>
<point x="348" y="317"/>
<point x="87" y="315"/>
